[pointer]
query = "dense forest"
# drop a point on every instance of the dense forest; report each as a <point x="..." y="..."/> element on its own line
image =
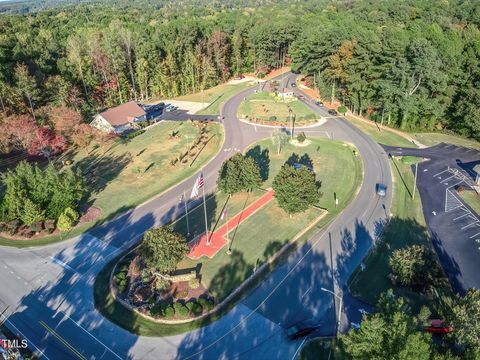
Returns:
<point x="412" y="64"/>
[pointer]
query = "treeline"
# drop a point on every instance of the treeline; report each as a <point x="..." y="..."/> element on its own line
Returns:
<point x="413" y="64"/>
<point x="90" y="60"/>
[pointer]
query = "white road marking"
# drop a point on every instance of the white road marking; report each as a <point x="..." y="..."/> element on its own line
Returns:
<point x="471" y="237"/>
<point x="298" y="349"/>
<point x="306" y="292"/>
<point x="94" y="337"/>
<point x="434" y="213"/>
<point x="29" y="342"/>
<point x="62" y="264"/>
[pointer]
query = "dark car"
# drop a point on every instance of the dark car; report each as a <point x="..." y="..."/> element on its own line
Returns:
<point x="300" y="329"/>
<point x="318" y="103"/>
<point x="332" y="112"/>
<point x="158" y="107"/>
<point x="381" y="189"/>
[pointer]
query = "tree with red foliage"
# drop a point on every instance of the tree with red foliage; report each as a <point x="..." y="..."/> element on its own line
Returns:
<point x="83" y="135"/>
<point x="64" y="119"/>
<point x="47" y="143"/>
<point x="17" y="133"/>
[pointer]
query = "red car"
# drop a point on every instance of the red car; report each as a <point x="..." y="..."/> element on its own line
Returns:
<point x="438" y="327"/>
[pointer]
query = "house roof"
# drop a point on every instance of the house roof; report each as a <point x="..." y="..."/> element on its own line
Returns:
<point x="123" y="114"/>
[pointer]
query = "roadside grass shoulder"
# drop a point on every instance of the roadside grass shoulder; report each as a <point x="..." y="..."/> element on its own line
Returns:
<point x="432" y="139"/>
<point x="382" y="136"/>
<point x="406" y="228"/>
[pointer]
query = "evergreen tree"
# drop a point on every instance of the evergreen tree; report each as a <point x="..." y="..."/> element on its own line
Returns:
<point x="295" y="190"/>
<point x="239" y="173"/>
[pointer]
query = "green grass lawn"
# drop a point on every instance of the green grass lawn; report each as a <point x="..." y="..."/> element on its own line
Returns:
<point x="407" y="227"/>
<point x="431" y="139"/>
<point x="472" y="199"/>
<point x="265" y="106"/>
<point x="126" y="174"/>
<point x="382" y="136"/>
<point x="215" y="96"/>
<point x="258" y="237"/>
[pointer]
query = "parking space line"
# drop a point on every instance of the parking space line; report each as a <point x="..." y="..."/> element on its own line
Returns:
<point x="471" y="237"/>
<point x="466" y="226"/>
<point x="461" y="216"/>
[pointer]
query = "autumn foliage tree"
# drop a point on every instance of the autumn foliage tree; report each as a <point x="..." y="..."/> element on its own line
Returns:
<point x="47" y="143"/>
<point x="64" y="119"/>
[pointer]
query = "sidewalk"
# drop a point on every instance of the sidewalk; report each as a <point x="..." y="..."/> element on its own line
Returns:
<point x="199" y="247"/>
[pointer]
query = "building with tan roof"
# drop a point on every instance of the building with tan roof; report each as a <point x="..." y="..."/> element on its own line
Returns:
<point x="120" y="118"/>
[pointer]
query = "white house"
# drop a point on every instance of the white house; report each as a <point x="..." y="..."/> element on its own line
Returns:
<point x="120" y="118"/>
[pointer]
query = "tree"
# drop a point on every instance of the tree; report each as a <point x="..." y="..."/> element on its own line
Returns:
<point x="295" y="190"/>
<point x="49" y="190"/>
<point x="239" y="173"/>
<point x="162" y="249"/>
<point x="465" y="318"/>
<point x="414" y="265"/>
<point x="390" y="333"/>
<point x="47" y="143"/>
<point x="67" y="219"/>
<point x="32" y="213"/>
<point x="279" y="139"/>
<point x="27" y="86"/>
<point x="64" y="119"/>
<point x="83" y="135"/>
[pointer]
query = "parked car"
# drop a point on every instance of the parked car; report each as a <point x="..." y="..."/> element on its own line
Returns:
<point x="381" y="189"/>
<point x="158" y="107"/>
<point x="438" y="326"/>
<point x="301" y="329"/>
<point x="332" y="112"/>
<point x="318" y="103"/>
<point x="171" y="108"/>
<point x="294" y="84"/>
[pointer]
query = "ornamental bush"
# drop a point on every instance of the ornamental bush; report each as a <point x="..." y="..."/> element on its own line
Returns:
<point x="180" y="309"/>
<point x="169" y="312"/>
<point x="301" y="137"/>
<point x="67" y="219"/>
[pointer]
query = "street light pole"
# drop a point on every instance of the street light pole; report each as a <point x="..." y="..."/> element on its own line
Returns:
<point x="339" y="309"/>
<point x="415" y="181"/>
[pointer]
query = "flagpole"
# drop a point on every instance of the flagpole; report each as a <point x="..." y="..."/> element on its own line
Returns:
<point x="205" y="212"/>
<point x="229" y="251"/>
<point x="186" y="212"/>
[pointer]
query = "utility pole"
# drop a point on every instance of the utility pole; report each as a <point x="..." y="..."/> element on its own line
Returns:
<point x="415" y="181"/>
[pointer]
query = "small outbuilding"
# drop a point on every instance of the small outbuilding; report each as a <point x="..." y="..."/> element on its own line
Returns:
<point x="120" y="118"/>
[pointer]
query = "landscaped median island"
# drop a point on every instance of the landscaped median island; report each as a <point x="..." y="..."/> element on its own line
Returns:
<point x="274" y="108"/>
<point x="165" y="299"/>
<point x="150" y="162"/>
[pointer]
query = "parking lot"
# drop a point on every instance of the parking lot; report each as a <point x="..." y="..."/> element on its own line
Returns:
<point x="454" y="227"/>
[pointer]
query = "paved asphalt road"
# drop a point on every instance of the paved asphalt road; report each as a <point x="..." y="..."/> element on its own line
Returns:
<point x="49" y="289"/>
<point x="453" y="226"/>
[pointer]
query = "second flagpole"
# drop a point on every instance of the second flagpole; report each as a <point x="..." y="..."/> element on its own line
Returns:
<point x="205" y="212"/>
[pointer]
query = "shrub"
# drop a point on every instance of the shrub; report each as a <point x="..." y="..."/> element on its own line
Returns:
<point x="162" y="285"/>
<point x="151" y="301"/>
<point x="169" y="312"/>
<point x="272" y="118"/>
<point x="158" y="310"/>
<point x="120" y="276"/>
<point x="342" y="109"/>
<point x="261" y="75"/>
<point x="67" y="219"/>
<point x="301" y="137"/>
<point x="194" y="283"/>
<point x="181" y="294"/>
<point x="206" y="304"/>
<point x="134" y="134"/>
<point x="310" y="117"/>
<point x="195" y="308"/>
<point x="180" y="309"/>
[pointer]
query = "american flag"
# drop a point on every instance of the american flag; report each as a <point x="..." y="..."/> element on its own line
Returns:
<point x="198" y="185"/>
<point x="224" y="214"/>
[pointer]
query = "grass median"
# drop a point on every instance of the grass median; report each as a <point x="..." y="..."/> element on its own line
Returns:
<point x="257" y="238"/>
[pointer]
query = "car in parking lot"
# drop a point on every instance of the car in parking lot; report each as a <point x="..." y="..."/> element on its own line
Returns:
<point x="301" y="329"/>
<point x="332" y="112"/>
<point x="381" y="189"/>
<point x="171" y="107"/>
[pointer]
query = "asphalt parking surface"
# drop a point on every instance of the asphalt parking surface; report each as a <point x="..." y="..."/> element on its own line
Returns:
<point x="452" y="224"/>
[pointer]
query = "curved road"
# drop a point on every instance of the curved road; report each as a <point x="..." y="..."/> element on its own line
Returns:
<point x="49" y="289"/>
